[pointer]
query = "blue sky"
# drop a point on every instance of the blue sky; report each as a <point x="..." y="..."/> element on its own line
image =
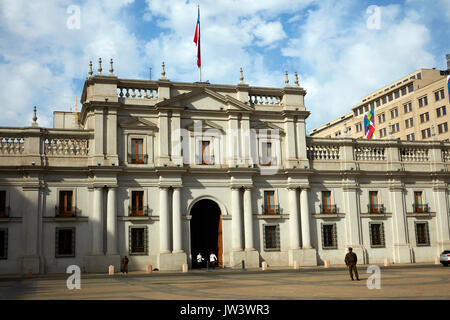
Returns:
<point x="338" y="54"/>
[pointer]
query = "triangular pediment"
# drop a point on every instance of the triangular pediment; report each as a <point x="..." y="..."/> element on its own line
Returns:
<point x="205" y="99"/>
<point x="204" y="124"/>
<point x="138" y="123"/>
<point x="261" y="125"/>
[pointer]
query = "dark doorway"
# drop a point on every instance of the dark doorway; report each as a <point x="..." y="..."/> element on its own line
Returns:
<point x="206" y="231"/>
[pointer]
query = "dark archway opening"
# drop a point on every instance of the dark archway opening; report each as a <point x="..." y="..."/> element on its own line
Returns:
<point x="206" y="231"/>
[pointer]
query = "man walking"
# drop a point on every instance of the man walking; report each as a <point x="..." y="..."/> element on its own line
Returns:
<point x="350" y="261"/>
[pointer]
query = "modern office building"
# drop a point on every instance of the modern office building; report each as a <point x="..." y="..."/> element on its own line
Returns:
<point x="161" y="170"/>
<point x="415" y="107"/>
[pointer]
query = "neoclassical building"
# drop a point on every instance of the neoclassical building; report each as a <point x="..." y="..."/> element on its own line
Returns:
<point x="161" y="170"/>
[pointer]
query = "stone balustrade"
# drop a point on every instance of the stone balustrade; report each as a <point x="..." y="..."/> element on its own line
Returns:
<point x="264" y="99"/>
<point x="11" y="145"/>
<point x="369" y="153"/>
<point x="137" y="93"/>
<point x="414" y="154"/>
<point x="54" y="146"/>
<point x="322" y="152"/>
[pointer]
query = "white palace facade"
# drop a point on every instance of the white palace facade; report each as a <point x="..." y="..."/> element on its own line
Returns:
<point x="161" y="170"/>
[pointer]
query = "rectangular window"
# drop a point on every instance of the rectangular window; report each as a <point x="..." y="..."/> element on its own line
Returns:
<point x="137" y="151"/>
<point x="436" y="96"/>
<point x="361" y="111"/>
<point x="326" y="202"/>
<point x="329" y="236"/>
<point x="267" y="153"/>
<point x="358" y="127"/>
<point x="390" y="97"/>
<point x="378" y="102"/>
<point x="395" y="128"/>
<point x="269" y="202"/>
<point x="409" y="123"/>
<point x="410" y="88"/>
<point x="384" y="99"/>
<point x="382" y="132"/>
<point x="422" y="234"/>
<point x="442" y="94"/>
<point x="271" y="238"/>
<point x="138" y="241"/>
<point x="410" y="137"/>
<point x="2" y="204"/>
<point x="442" y="127"/>
<point x="426" y="133"/>
<point x="397" y="94"/>
<point x="137" y="203"/>
<point x="206" y="157"/>
<point x="65" y="242"/>
<point x="376" y="235"/>
<point x="366" y="108"/>
<point x="424" y="117"/>
<point x="403" y="91"/>
<point x="66" y="203"/>
<point x="407" y="107"/>
<point x="4" y="243"/>
<point x="381" y="118"/>
<point x="394" y="113"/>
<point x="441" y="111"/>
<point x="373" y="202"/>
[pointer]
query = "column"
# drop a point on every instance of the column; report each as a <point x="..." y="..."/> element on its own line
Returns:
<point x="400" y="245"/>
<point x="442" y="223"/>
<point x="98" y="134"/>
<point x="246" y="139"/>
<point x="236" y="220"/>
<point x="111" y="222"/>
<point x="290" y="141"/>
<point x="301" y="139"/>
<point x="164" y="232"/>
<point x="97" y="225"/>
<point x="294" y="231"/>
<point x="232" y="139"/>
<point x="248" y="220"/>
<point x="176" y="221"/>
<point x="176" y="138"/>
<point x="304" y="211"/>
<point x="163" y="138"/>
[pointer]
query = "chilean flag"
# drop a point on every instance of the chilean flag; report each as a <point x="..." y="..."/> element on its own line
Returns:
<point x="197" y="39"/>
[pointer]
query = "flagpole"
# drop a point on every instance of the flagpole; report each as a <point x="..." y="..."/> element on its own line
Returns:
<point x="200" y="70"/>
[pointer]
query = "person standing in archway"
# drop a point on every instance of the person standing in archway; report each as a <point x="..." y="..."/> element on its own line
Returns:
<point x="199" y="260"/>
<point x="212" y="259"/>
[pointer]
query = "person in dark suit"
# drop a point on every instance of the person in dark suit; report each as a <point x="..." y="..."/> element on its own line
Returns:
<point x="124" y="267"/>
<point x="350" y="261"/>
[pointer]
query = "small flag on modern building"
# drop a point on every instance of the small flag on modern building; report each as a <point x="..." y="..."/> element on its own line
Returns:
<point x="197" y="39"/>
<point x="369" y="124"/>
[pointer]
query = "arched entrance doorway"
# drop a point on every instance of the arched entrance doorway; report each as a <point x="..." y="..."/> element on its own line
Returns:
<point x="206" y="231"/>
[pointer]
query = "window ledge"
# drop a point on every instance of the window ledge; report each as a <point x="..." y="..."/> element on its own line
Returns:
<point x="376" y="215"/>
<point x="328" y="215"/>
<point x="271" y="216"/>
<point x="138" y="218"/>
<point x="11" y="220"/>
<point x="421" y="214"/>
<point x="65" y="219"/>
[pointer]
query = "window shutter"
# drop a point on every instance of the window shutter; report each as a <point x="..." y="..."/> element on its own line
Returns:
<point x="334" y="236"/>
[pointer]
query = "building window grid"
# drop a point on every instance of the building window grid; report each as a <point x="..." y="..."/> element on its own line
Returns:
<point x="394" y="113"/>
<point x="424" y="117"/>
<point x="409" y="123"/>
<point x="138" y="240"/>
<point x="66" y="207"/>
<point x="271" y="237"/>
<point x="3" y="243"/>
<point x="426" y="133"/>
<point x="441" y="111"/>
<point x="137" y="151"/>
<point x="407" y="107"/>
<point x="410" y="137"/>
<point x="65" y="240"/>
<point x="2" y="204"/>
<point x="442" y="128"/>
<point x="137" y="203"/>
<point x="377" y="239"/>
<point x="329" y="236"/>
<point x="422" y="234"/>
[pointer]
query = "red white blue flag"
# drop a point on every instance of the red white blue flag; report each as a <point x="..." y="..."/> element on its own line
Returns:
<point x="197" y="39"/>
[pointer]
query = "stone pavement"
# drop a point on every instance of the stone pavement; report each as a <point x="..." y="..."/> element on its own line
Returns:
<point x="412" y="281"/>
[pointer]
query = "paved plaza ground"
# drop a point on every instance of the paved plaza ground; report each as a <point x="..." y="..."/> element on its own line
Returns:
<point x="416" y="281"/>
